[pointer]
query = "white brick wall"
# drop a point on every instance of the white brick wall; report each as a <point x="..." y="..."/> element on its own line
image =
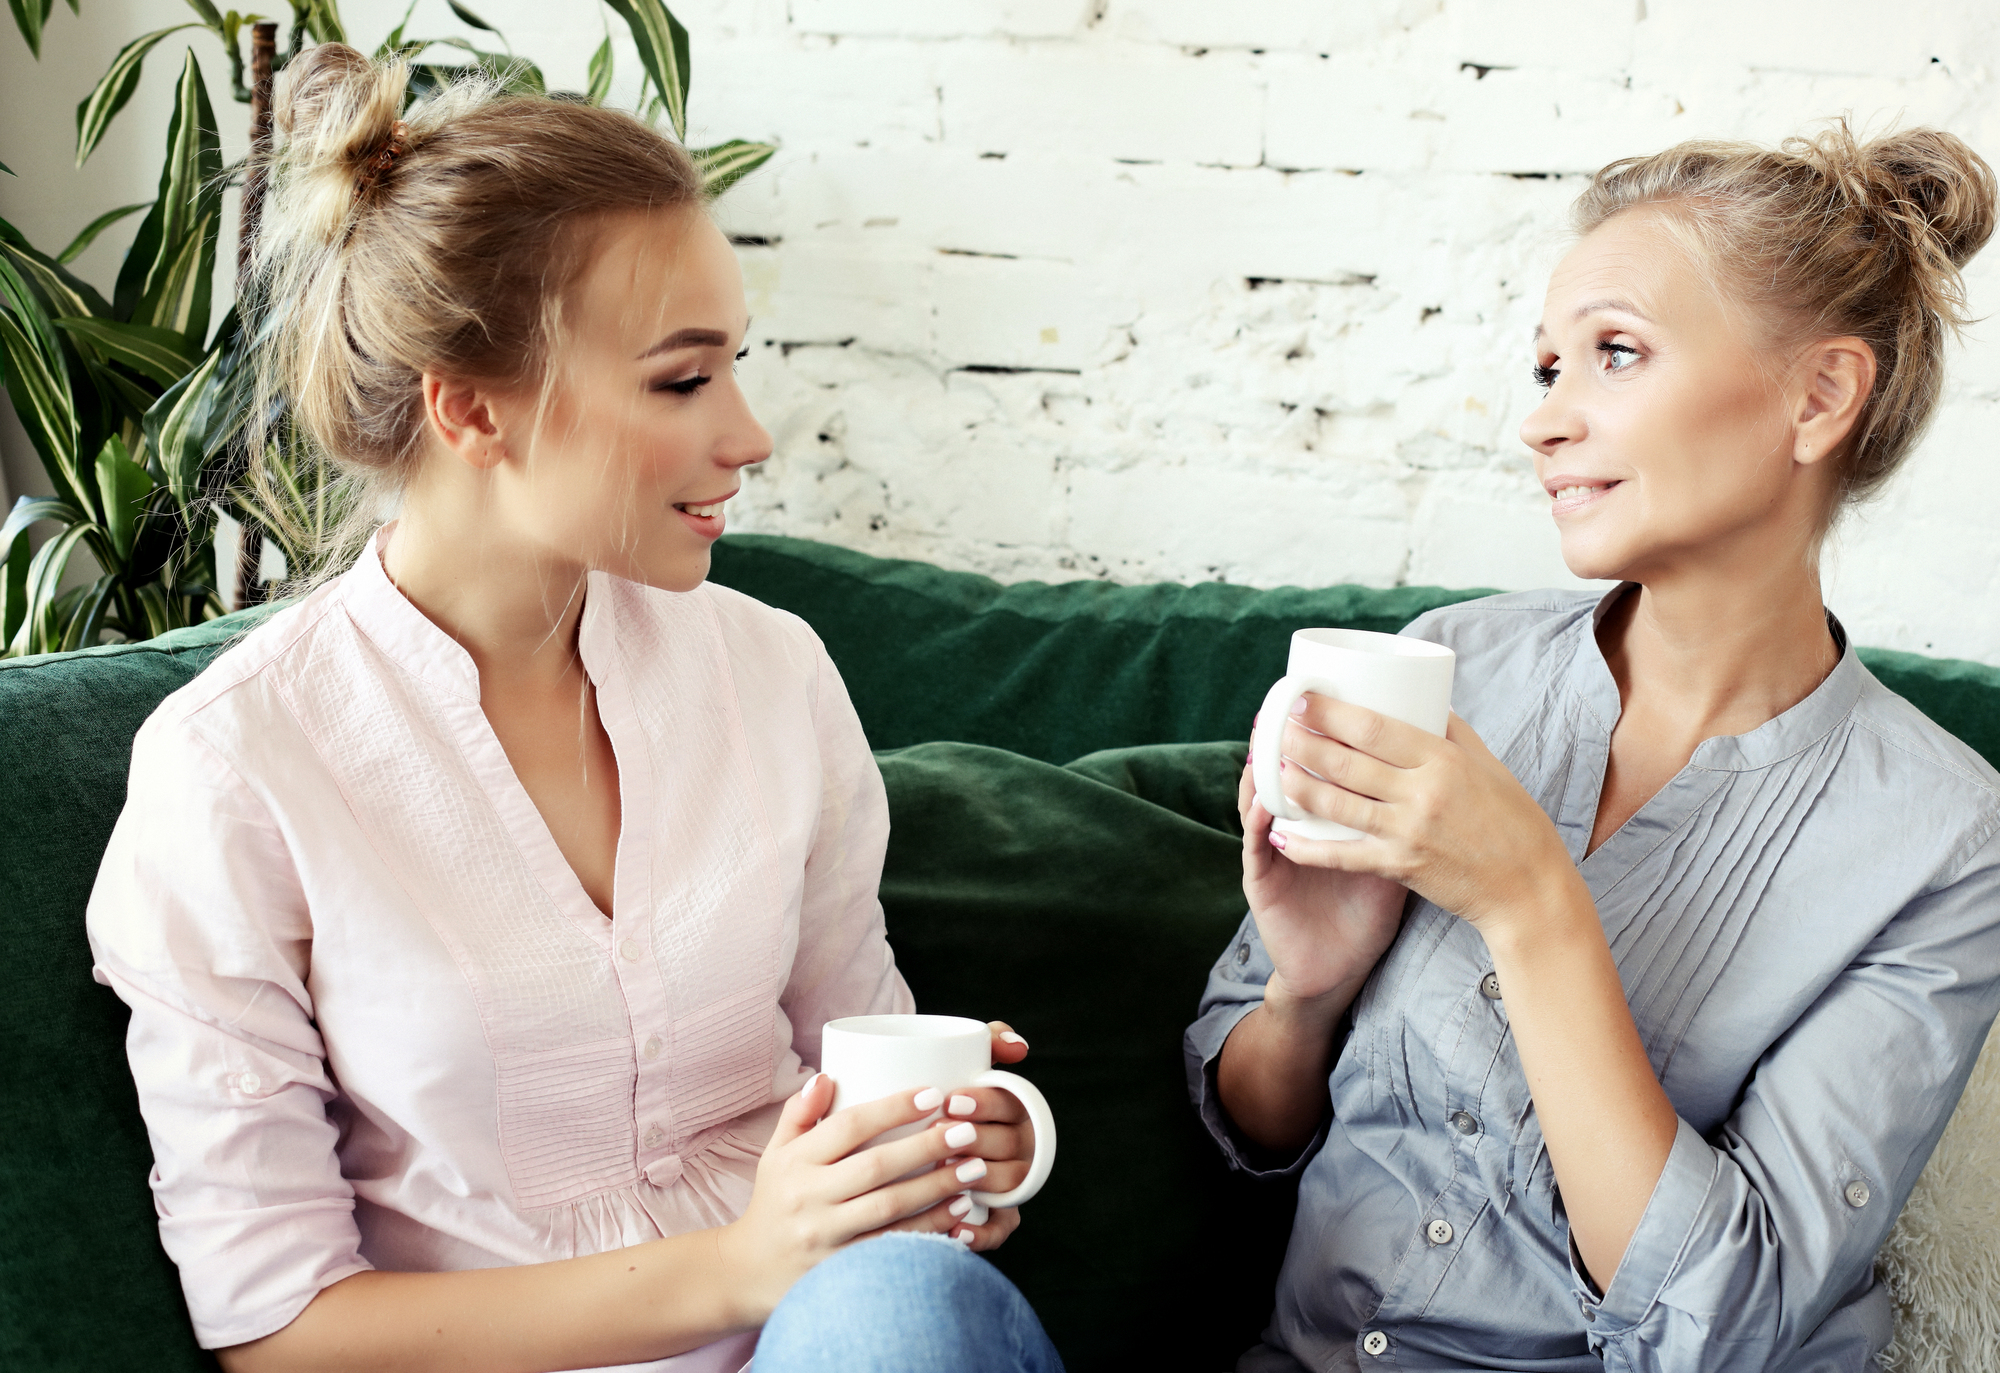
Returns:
<point x="1187" y="289"/>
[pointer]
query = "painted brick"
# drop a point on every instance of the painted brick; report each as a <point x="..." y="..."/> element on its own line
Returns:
<point x="1105" y="103"/>
<point x="931" y="19"/>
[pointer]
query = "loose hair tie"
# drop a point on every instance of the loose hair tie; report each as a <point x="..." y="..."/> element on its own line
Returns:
<point x="378" y="164"/>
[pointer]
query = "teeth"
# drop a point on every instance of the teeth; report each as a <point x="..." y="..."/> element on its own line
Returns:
<point x="1566" y="492"/>
<point x="705" y="512"/>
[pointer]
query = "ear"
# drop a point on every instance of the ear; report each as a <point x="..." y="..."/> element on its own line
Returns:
<point x="1839" y="374"/>
<point x="461" y="416"/>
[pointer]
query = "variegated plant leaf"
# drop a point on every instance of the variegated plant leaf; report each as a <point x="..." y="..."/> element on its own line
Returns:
<point x="513" y="73"/>
<point x="663" y="48"/>
<point x="15" y="553"/>
<point x="42" y="400"/>
<point x="725" y="164"/>
<point x="29" y="17"/>
<point x="167" y="275"/>
<point x="114" y="88"/>
<point x="97" y="226"/>
<point x="393" y="44"/>
<point x="210" y="15"/>
<point x="466" y="16"/>
<point x="60" y="290"/>
<point x="83" y="625"/>
<point x="40" y="631"/>
<point x="162" y="354"/>
<point x="123" y="486"/>
<point x="322" y="19"/>
<point x="600" y="73"/>
<point x="177" y="428"/>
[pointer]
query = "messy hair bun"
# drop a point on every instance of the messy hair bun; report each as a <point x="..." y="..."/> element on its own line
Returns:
<point x="1833" y="236"/>
<point x="396" y="242"/>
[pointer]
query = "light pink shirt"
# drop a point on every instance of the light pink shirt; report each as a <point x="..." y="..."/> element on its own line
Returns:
<point x="376" y="1021"/>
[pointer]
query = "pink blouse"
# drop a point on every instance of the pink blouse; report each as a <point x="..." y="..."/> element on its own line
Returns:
<point x="376" y="1021"/>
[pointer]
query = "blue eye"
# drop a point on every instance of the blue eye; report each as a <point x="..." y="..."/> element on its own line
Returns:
<point x="1618" y="355"/>
<point x="683" y="388"/>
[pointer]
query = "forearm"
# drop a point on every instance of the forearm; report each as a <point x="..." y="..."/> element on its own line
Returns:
<point x="1608" y="1124"/>
<point x="1271" y="1074"/>
<point x="625" y="1306"/>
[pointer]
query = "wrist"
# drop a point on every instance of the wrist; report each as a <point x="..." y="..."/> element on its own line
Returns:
<point x="739" y="1294"/>
<point x="1308" y="1015"/>
<point x="1554" y="910"/>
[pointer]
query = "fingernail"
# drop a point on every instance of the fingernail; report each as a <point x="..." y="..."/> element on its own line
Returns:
<point x="972" y="1171"/>
<point x="1299" y="706"/>
<point x="961" y="1134"/>
<point x="811" y="1083"/>
<point x="961" y="1106"/>
<point x="978" y="1215"/>
<point x="960" y="1206"/>
<point x="1277" y="840"/>
<point x="929" y="1099"/>
<point x="1011" y="1038"/>
<point x="964" y="1237"/>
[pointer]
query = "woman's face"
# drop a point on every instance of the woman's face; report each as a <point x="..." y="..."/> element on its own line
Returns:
<point x="641" y="432"/>
<point x="1665" y="441"/>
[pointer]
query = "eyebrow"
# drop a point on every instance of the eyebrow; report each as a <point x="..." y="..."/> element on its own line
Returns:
<point x="688" y="338"/>
<point x="1592" y="307"/>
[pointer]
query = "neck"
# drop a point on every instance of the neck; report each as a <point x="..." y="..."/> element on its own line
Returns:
<point x="506" y="603"/>
<point x="1723" y="646"/>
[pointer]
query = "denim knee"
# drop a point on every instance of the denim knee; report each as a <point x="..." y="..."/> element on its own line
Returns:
<point x="905" y="1303"/>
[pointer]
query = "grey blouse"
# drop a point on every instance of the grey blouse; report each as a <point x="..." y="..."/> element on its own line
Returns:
<point x="1807" y="923"/>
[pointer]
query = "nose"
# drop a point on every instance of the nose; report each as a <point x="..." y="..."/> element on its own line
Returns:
<point x="744" y="442"/>
<point x="1553" y="423"/>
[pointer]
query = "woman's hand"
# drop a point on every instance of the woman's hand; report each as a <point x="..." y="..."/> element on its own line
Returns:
<point x="1444" y="817"/>
<point x="818" y="1188"/>
<point x="1324" y="928"/>
<point x="1006" y="1141"/>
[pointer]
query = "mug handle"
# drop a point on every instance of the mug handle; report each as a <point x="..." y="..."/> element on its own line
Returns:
<point x="1031" y="1097"/>
<point x="1270" y="734"/>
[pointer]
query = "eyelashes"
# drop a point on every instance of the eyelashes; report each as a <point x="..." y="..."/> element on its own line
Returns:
<point x="1618" y="356"/>
<point x="688" y="386"/>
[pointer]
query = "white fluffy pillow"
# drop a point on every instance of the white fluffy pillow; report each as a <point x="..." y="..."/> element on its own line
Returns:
<point x="1942" y="1261"/>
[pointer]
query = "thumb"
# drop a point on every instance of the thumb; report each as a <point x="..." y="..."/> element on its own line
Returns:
<point x="803" y="1111"/>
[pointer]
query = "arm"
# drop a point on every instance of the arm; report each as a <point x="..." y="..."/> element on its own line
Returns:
<point x="1447" y="818"/>
<point x="1324" y="931"/>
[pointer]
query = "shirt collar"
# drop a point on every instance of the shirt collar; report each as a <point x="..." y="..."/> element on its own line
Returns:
<point x="1797" y="729"/>
<point x="399" y="629"/>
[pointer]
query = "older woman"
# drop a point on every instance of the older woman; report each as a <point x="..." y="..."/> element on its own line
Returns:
<point x="1627" y="1029"/>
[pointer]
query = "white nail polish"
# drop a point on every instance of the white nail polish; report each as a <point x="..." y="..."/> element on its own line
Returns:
<point x="811" y="1083"/>
<point x="961" y="1134"/>
<point x="964" y="1237"/>
<point x="960" y="1205"/>
<point x="978" y="1215"/>
<point x="961" y="1106"/>
<point x="929" y="1099"/>
<point x="972" y="1170"/>
<point x="1011" y="1038"/>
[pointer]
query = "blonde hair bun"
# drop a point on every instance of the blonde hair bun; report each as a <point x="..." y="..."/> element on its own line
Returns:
<point x="333" y="112"/>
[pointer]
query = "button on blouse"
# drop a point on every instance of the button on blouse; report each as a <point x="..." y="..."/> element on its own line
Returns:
<point x="1807" y="924"/>
<point x="376" y="1020"/>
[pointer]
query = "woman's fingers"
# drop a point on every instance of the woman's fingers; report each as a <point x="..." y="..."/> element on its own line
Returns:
<point x="803" y="1111"/>
<point x="1008" y="1047"/>
<point x="890" y="1201"/>
<point x="980" y="1238"/>
<point x="1348" y="768"/>
<point x="1377" y="735"/>
<point x="983" y="1105"/>
<point x="840" y="1134"/>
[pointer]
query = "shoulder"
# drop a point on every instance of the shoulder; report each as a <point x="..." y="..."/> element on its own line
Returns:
<point x="235" y="695"/>
<point x="1907" y="753"/>
<point x="1508" y="646"/>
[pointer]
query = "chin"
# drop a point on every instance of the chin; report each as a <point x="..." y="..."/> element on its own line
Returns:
<point x="1591" y="560"/>
<point x="682" y="572"/>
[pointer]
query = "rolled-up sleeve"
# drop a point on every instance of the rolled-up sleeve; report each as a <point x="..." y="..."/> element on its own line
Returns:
<point x="1235" y="988"/>
<point x="1754" y="1234"/>
<point x="198" y="923"/>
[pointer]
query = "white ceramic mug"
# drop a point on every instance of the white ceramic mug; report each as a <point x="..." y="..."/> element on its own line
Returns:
<point x="873" y="1056"/>
<point x="1406" y="679"/>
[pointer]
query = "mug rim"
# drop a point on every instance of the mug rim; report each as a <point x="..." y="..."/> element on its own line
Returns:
<point x="914" y="1026"/>
<point x="1372" y="642"/>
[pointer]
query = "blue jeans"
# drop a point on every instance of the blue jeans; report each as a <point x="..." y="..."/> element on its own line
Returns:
<point x="904" y="1303"/>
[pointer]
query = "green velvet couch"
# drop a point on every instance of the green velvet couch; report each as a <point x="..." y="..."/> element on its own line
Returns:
<point x="1061" y="765"/>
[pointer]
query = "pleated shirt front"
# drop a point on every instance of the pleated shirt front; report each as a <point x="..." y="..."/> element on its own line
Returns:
<point x="1806" y="921"/>
<point x="376" y="1020"/>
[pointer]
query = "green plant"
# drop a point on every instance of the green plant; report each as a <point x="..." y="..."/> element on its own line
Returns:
<point x="134" y="406"/>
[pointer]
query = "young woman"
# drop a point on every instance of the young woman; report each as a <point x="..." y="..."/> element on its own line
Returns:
<point x="1624" y="1034"/>
<point x="480" y="912"/>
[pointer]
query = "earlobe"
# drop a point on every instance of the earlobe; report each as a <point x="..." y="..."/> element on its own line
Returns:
<point x="1840" y="379"/>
